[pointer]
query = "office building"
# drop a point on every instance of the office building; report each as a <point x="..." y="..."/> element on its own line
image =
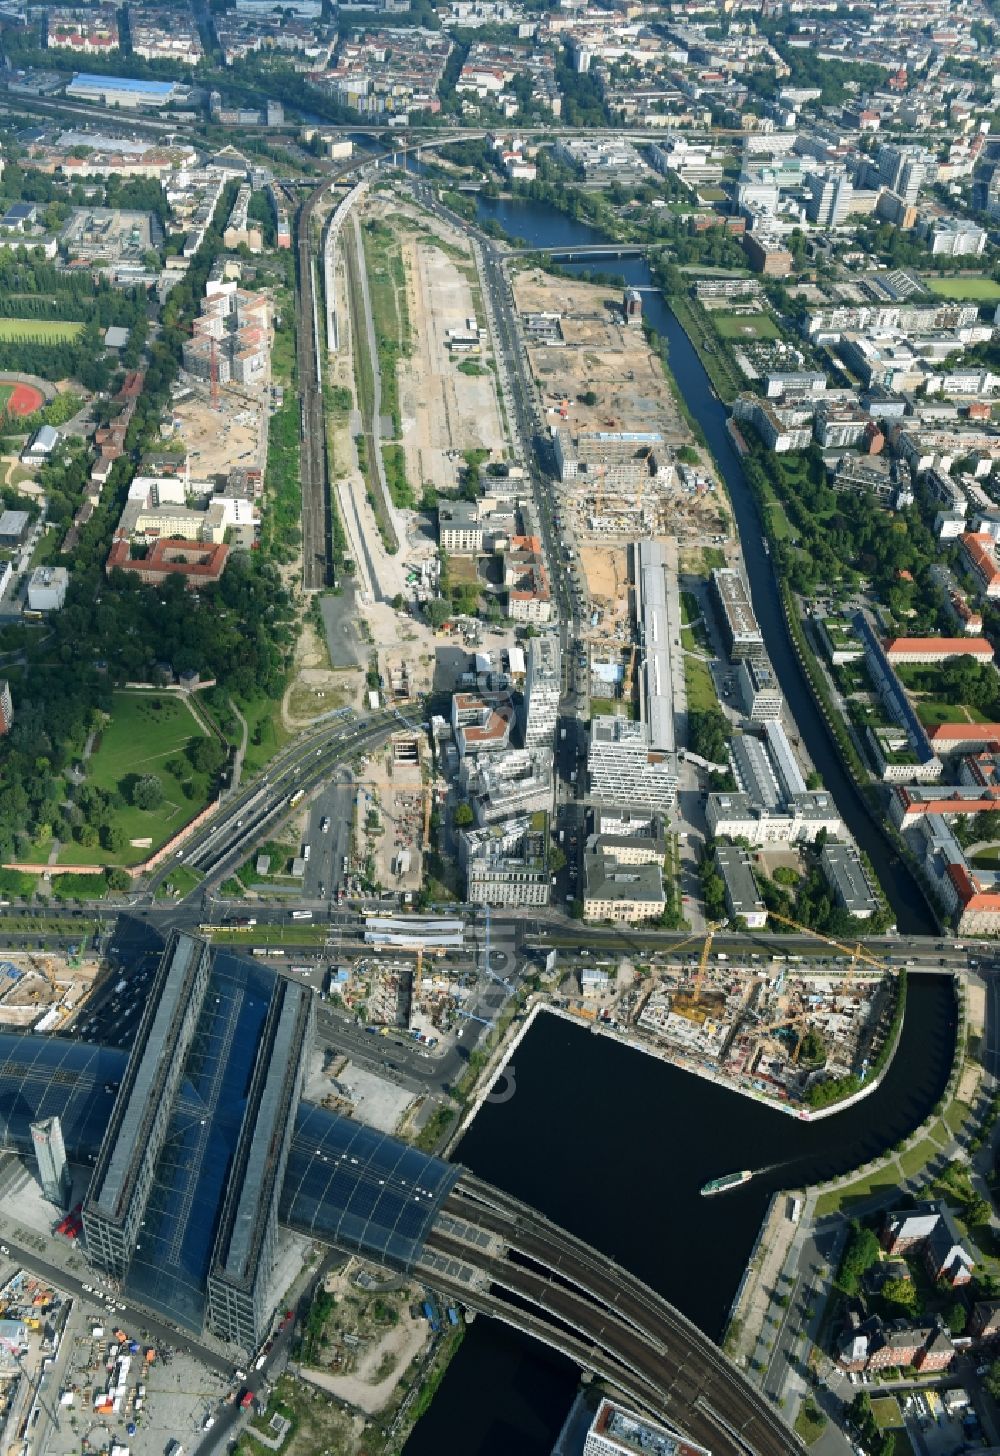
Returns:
<point x="50" y="1155"/>
<point x="6" y="707"/>
<point x="116" y="1200"/>
<point x="937" y="649"/>
<point x="616" y="1431"/>
<point x="506" y="864"/>
<point x="243" y="1257"/>
<point x="541" y="692"/>
<point x="519" y="781"/>
<point x="743" y="899"/>
<point x="953" y="237"/>
<point x="760" y="694"/>
<point x="460" y="527"/>
<point x="621" y="892"/>
<point x="13" y="527"/>
<point x="740" y="631"/>
<point x="797" y="821"/>
<point x="848" y="879"/>
<point x="904" y="170"/>
<point x="624" y="769"/>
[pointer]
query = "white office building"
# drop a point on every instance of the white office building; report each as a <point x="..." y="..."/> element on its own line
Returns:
<point x="624" y="769"/>
<point x="541" y="693"/>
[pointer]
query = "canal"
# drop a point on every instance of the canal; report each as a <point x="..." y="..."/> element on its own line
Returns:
<point x="616" y="1145"/>
<point x="541" y="225"/>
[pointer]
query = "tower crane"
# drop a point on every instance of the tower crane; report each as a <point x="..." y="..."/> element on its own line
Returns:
<point x="857" y="954"/>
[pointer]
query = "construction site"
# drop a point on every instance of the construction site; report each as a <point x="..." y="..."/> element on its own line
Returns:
<point x="628" y="465"/>
<point x="392" y="814"/>
<point x="42" y="992"/>
<point x="766" y="1026"/>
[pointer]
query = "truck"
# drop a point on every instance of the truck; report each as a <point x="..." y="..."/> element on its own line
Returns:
<point x="430" y="1316"/>
<point x="302" y="915"/>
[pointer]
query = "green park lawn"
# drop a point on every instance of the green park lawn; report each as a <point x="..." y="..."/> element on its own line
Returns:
<point x="700" y="688"/>
<point x="980" y="290"/>
<point x="746" y="326"/>
<point x="41" y="331"/>
<point x="147" y="732"/>
<point x="887" y="1413"/>
<point x="932" y="712"/>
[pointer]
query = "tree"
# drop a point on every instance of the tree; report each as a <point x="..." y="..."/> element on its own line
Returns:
<point x="437" y="611"/>
<point x="588" y="398"/>
<point x="207" y="755"/>
<point x="900" y="1292"/>
<point x="147" y="792"/>
<point x="978" y="1211"/>
<point x="957" y="1317"/>
<point x="557" y="859"/>
<point x="119" y="881"/>
<point x="992" y="1380"/>
<point x="113" y="838"/>
<point x="398" y="602"/>
<point x="861" y="1253"/>
<point x="463" y="816"/>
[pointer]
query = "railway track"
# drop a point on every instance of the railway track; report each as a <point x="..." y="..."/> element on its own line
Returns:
<point x="317" y="521"/>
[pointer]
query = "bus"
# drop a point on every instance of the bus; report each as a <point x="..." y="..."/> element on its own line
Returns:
<point x="302" y="915"/>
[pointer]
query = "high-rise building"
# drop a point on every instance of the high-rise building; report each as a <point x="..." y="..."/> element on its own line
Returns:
<point x="830" y="195"/>
<point x="904" y="170"/>
<point x="6" y="707"/>
<point x="50" y="1154"/>
<point x="541" y="693"/>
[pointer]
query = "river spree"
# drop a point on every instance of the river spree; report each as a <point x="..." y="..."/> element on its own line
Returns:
<point x="616" y="1146"/>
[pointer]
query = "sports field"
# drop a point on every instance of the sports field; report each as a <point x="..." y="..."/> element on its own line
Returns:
<point x="20" y="399"/>
<point x="39" y="331"/>
<point x="148" y="734"/>
<point x="976" y="290"/>
<point x="745" y="326"/>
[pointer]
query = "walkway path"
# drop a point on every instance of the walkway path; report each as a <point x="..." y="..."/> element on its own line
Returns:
<point x="241" y="752"/>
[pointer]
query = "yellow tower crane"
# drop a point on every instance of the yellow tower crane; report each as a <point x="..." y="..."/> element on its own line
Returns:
<point x="857" y="954"/>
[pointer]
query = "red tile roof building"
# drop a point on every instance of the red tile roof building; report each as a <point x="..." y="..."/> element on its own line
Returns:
<point x="937" y="649"/>
<point x="199" y="565"/>
<point x="981" y="558"/>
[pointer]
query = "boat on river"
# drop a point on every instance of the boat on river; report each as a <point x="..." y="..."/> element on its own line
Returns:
<point x="728" y="1181"/>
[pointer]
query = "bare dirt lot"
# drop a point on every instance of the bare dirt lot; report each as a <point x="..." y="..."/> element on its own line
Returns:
<point x="446" y="406"/>
<point x="606" y="569"/>
<point x="602" y="354"/>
